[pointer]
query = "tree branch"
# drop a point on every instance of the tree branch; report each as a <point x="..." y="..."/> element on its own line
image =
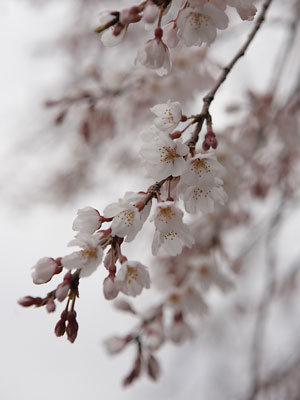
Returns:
<point x="207" y="100"/>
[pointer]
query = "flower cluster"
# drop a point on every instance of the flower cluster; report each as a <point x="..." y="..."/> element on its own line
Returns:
<point x="196" y="23"/>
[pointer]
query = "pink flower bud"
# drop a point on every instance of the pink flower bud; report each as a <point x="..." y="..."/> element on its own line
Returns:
<point x="44" y="270"/>
<point x="151" y="12"/>
<point x="205" y="146"/>
<point x="72" y="330"/>
<point x="50" y="306"/>
<point x="210" y="138"/>
<point x="26" y="301"/>
<point x="62" y="291"/>
<point x="60" y="328"/>
<point x="125" y="17"/>
<point x="110" y="288"/>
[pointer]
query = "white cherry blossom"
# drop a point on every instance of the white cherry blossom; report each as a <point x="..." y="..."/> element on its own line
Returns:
<point x="202" y="197"/>
<point x="168" y="115"/>
<point x="44" y="270"/>
<point x="87" y="220"/>
<point x="203" y="167"/>
<point x="87" y="259"/>
<point x="164" y="157"/>
<point x="132" y="277"/>
<point x="127" y="219"/>
<point x="154" y="54"/>
<point x="199" y="25"/>
<point x="171" y="232"/>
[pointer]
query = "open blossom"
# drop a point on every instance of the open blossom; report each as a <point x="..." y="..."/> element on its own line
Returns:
<point x="203" y="196"/>
<point x="127" y="219"/>
<point x="155" y="55"/>
<point x="199" y="25"/>
<point x="132" y="277"/>
<point x="201" y="186"/>
<point x="171" y="232"/>
<point x="168" y="115"/>
<point x="44" y="270"/>
<point x="87" y="259"/>
<point x="202" y="167"/>
<point x="164" y="157"/>
<point x="87" y="220"/>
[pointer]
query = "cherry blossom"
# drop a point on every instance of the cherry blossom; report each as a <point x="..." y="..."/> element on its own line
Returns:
<point x="171" y="232"/>
<point x="87" y="220"/>
<point x="155" y="55"/>
<point x="199" y="25"/>
<point x="44" y="270"/>
<point x="168" y="115"/>
<point x="88" y="259"/>
<point x="164" y="157"/>
<point x="127" y="220"/>
<point x="132" y="277"/>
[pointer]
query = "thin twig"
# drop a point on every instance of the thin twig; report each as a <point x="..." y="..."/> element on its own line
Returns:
<point x="207" y="100"/>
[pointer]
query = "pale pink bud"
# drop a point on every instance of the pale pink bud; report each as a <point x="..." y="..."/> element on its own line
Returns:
<point x="110" y="288"/>
<point x="125" y="17"/>
<point x="151" y="12"/>
<point x="28" y="301"/>
<point x="50" y="306"/>
<point x="44" y="270"/>
<point x="62" y="291"/>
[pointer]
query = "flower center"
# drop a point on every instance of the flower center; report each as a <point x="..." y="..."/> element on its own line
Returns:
<point x="168" y="154"/>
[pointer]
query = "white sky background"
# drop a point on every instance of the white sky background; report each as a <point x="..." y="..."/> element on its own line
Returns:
<point x="34" y="363"/>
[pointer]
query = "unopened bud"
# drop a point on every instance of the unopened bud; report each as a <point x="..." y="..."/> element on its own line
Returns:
<point x="151" y="12"/>
<point x="72" y="330"/>
<point x="26" y="301"/>
<point x="62" y="291"/>
<point x="44" y="270"/>
<point x="110" y="288"/>
<point x="50" y="306"/>
<point x="60" y="328"/>
<point x="205" y="146"/>
<point x="210" y="138"/>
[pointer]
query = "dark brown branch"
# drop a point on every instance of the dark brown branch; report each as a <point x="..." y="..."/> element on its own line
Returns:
<point x="207" y="100"/>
